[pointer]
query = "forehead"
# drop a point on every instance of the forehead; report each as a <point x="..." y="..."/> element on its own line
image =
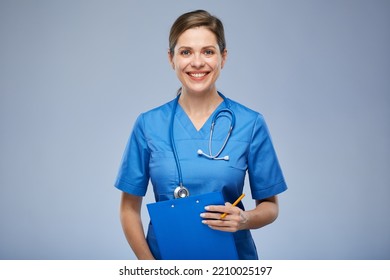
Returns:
<point x="197" y="37"/>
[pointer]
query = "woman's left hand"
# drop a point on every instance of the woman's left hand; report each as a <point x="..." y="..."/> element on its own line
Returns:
<point x="236" y="219"/>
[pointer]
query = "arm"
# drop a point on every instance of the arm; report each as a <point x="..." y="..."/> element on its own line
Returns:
<point x="130" y="215"/>
<point x="265" y="212"/>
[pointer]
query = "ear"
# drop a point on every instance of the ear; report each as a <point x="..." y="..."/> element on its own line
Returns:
<point x="170" y="59"/>
<point x="224" y="57"/>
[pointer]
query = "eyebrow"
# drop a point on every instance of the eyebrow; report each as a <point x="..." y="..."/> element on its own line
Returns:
<point x="206" y="47"/>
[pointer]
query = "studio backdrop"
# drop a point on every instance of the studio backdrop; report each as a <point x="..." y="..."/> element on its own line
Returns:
<point x="74" y="75"/>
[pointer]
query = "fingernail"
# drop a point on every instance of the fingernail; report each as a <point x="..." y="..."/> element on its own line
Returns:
<point x="202" y="215"/>
<point x="207" y="208"/>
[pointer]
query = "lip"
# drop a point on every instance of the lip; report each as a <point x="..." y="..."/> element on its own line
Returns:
<point x="197" y="75"/>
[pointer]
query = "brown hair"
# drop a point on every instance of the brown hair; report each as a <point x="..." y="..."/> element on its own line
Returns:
<point x="196" y="19"/>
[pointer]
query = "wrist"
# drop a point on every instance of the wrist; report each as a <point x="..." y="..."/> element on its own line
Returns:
<point x="244" y="219"/>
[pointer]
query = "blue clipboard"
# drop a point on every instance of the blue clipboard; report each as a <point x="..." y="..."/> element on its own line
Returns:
<point x="182" y="236"/>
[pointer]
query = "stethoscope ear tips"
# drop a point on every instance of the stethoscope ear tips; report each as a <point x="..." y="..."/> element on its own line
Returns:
<point x="226" y="158"/>
<point x="200" y="152"/>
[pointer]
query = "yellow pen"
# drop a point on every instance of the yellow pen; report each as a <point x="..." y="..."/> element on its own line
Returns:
<point x="234" y="204"/>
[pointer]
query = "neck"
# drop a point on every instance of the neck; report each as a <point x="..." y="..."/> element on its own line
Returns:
<point x="199" y="107"/>
<point x="200" y="104"/>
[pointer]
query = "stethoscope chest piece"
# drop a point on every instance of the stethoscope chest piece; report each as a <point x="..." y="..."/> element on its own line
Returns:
<point x="181" y="192"/>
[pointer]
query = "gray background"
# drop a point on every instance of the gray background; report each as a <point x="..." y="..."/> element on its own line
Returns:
<point x="75" y="74"/>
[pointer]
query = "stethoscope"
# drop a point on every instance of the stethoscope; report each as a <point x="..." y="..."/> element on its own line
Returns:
<point x="181" y="191"/>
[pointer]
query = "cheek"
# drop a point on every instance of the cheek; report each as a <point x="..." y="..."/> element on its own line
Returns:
<point x="179" y="70"/>
<point x="180" y="65"/>
<point x="217" y="64"/>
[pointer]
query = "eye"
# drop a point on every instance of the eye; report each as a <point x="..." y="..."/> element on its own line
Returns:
<point x="185" y="52"/>
<point x="208" y="52"/>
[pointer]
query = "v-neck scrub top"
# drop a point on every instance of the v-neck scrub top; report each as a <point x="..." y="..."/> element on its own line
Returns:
<point x="149" y="156"/>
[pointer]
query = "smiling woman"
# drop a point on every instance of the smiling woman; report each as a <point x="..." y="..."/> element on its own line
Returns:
<point x="198" y="62"/>
<point x="197" y="119"/>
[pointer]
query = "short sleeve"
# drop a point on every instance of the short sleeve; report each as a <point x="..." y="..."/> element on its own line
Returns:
<point x="265" y="175"/>
<point x="133" y="174"/>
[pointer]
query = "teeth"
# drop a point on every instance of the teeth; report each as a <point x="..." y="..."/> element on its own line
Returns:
<point x="198" y="75"/>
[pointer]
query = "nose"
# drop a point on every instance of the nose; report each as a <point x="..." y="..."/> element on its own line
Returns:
<point x="197" y="61"/>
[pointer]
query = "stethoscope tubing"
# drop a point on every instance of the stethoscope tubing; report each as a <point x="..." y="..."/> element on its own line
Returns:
<point x="174" y="149"/>
<point x="232" y="124"/>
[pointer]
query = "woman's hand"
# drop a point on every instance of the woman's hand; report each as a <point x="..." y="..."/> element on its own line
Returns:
<point x="265" y="212"/>
<point x="235" y="220"/>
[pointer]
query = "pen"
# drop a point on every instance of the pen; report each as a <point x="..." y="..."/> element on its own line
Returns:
<point x="234" y="204"/>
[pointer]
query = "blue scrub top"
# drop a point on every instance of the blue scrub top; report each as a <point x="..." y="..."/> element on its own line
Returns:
<point x="149" y="156"/>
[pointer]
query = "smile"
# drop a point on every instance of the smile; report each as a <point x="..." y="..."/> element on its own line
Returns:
<point x="198" y="75"/>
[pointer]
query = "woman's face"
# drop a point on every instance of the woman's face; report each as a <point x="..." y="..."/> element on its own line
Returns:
<point x="197" y="60"/>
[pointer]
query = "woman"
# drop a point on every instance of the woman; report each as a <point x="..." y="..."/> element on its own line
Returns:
<point x="197" y="53"/>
